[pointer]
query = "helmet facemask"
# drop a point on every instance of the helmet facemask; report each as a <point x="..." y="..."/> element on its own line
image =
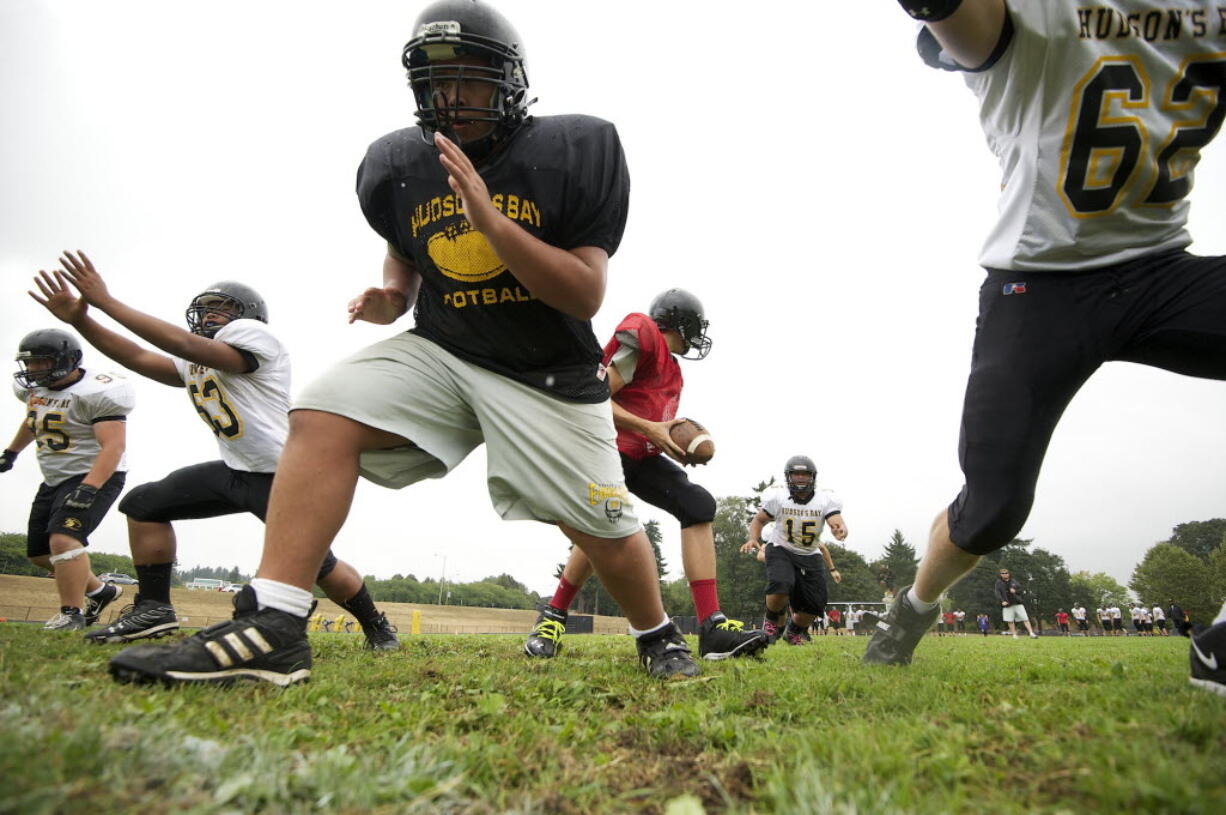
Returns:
<point x="431" y="59"/>
<point x="682" y="312"/>
<point x="800" y="475"/>
<point x="212" y="303"/>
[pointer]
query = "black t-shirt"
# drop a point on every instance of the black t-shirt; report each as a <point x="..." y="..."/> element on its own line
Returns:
<point x="564" y="180"/>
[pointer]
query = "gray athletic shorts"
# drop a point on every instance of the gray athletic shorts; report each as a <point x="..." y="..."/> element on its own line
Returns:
<point x="1014" y="614"/>
<point x="548" y="459"/>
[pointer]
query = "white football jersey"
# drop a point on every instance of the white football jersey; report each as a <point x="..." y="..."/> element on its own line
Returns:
<point x="1114" y="611"/>
<point x="1079" y="613"/>
<point x="248" y="413"/>
<point x="1159" y="614"/>
<point x="1097" y="113"/>
<point x="798" y="526"/>
<point x="62" y="422"/>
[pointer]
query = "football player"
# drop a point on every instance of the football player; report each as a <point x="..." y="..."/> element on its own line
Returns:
<point x="794" y="552"/>
<point x="237" y="375"/>
<point x="77" y="420"/>
<point x="1097" y="114"/>
<point x="498" y="229"/>
<point x="645" y="381"/>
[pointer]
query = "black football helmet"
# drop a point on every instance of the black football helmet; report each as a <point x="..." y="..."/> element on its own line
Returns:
<point x="679" y="310"/>
<point x="449" y="29"/>
<point x="60" y="347"/>
<point x="235" y="299"/>
<point x="800" y="473"/>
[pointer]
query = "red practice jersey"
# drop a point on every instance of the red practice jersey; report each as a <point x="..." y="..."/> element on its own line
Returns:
<point x="654" y="391"/>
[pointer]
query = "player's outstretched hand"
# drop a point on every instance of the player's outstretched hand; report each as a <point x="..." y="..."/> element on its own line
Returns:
<point x="57" y="298"/>
<point x="80" y="271"/>
<point x="749" y="547"/>
<point x="467" y="183"/>
<point x="380" y="306"/>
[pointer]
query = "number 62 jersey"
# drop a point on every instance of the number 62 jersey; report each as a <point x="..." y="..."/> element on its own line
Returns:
<point x="248" y="413"/>
<point x="63" y="420"/>
<point x="1097" y="112"/>
<point x="798" y="526"/>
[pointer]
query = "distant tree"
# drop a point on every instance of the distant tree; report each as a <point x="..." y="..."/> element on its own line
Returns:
<point x="1169" y="573"/>
<point x="1098" y="589"/>
<point x="742" y="579"/>
<point x="900" y="559"/>
<point x="1043" y="575"/>
<point x="1199" y="538"/>
<point x="1217" y="574"/>
<point x="678" y="599"/>
<point x="13" y="558"/>
<point x="859" y="581"/>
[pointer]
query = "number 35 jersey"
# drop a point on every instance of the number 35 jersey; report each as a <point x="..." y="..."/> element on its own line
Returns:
<point x="248" y="413"/>
<point x="62" y="422"/>
<point x="1097" y="112"/>
<point x="798" y="526"/>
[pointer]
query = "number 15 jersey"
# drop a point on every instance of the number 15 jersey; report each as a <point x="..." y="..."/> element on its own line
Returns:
<point x="1097" y="112"/>
<point x="248" y="413"/>
<point x="798" y="526"/>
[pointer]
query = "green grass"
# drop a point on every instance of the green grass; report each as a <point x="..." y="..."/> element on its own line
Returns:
<point x="468" y="724"/>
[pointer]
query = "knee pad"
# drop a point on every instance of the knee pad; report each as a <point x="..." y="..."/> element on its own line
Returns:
<point x="328" y="565"/>
<point x="64" y="556"/>
<point x="697" y="507"/>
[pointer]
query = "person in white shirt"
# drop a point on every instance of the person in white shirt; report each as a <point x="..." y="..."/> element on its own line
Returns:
<point x="1097" y="115"/>
<point x="77" y="418"/>
<point x="1079" y="616"/>
<point x="795" y="554"/>
<point x="237" y="374"/>
<point x="1159" y="617"/>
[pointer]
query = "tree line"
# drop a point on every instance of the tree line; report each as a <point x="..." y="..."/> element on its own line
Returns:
<point x="1189" y="568"/>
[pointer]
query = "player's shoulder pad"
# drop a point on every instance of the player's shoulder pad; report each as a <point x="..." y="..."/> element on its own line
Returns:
<point x="250" y="335"/>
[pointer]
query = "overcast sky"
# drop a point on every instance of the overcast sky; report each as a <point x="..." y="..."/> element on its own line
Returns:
<point x="792" y="164"/>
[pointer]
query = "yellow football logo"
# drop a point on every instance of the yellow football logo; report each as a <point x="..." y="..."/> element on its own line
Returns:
<point x="462" y="253"/>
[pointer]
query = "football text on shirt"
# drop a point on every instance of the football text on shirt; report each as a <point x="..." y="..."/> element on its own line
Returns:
<point x="1101" y="23"/>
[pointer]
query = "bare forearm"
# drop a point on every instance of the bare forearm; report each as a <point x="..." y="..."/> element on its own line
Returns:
<point x="22" y="440"/>
<point x="555" y="276"/>
<point x="105" y="464"/>
<point x="126" y="352"/>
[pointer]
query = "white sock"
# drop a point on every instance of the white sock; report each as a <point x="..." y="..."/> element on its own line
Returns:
<point x="282" y="596"/>
<point x="634" y="632"/>
<point x="918" y="604"/>
<point x="1221" y="615"/>
<point x="94" y="593"/>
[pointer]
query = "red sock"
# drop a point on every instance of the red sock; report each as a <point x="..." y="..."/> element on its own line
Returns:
<point x="706" y="598"/>
<point x="564" y="595"/>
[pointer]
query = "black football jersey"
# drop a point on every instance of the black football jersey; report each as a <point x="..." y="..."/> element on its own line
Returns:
<point x="564" y="180"/>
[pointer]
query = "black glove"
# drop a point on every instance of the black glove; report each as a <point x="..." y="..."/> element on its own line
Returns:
<point x="81" y="498"/>
<point x="6" y="460"/>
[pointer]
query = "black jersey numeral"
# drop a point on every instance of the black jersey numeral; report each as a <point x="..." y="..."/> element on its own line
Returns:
<point x="213" y="408"/>
<point x="50" y="436"/>
<point x="801" y="534"/>
<point x="1103" y="156"/>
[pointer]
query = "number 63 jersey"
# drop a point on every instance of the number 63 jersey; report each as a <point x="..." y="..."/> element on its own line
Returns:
<point x="63" y="420"/>
<point x="248" y="413"/>
<point x="798" y="526"/>
<point x="1098" y="112"/>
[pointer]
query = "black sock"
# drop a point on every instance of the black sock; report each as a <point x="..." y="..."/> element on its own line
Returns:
<point x="362" y="607"/>
<point x="154" y="582"/>
<point x="774" y="616"/>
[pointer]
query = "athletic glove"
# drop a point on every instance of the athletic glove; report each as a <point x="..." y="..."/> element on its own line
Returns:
<point x="81" y="498"/>
<point x="6" y="460"/>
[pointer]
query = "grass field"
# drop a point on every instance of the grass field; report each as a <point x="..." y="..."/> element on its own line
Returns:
<point x="468" y="724"/>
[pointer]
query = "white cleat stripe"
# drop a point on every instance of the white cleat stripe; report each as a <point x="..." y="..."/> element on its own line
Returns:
<point x="254" y="636"/>
<point x="220" y="654"/>
<point x="234" y="641"/>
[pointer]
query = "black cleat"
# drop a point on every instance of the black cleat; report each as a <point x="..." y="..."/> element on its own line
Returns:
<point x="148" y="619"/>
<point x="545" y="639"/>
<point x="381" y="635"/>
<point x="772" y="630"/>
<point x="721" y="638"/>
<point x="265" y="645"/>
<point x="793" y="635"/>
<point x="1208" y="657"/>
<point x="896" y="635"/>
<point x="665" y="654"/>
<point x="94" y="606"/>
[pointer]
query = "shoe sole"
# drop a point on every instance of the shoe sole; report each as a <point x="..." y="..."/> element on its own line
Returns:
<point x="153" y="632"/>
<point x="125" y="674"/>
<point x="1209" y="685"/>
<point x="748" y="648"/>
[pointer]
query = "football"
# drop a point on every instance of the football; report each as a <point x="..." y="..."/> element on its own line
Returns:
<point x="694" y="439"/>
